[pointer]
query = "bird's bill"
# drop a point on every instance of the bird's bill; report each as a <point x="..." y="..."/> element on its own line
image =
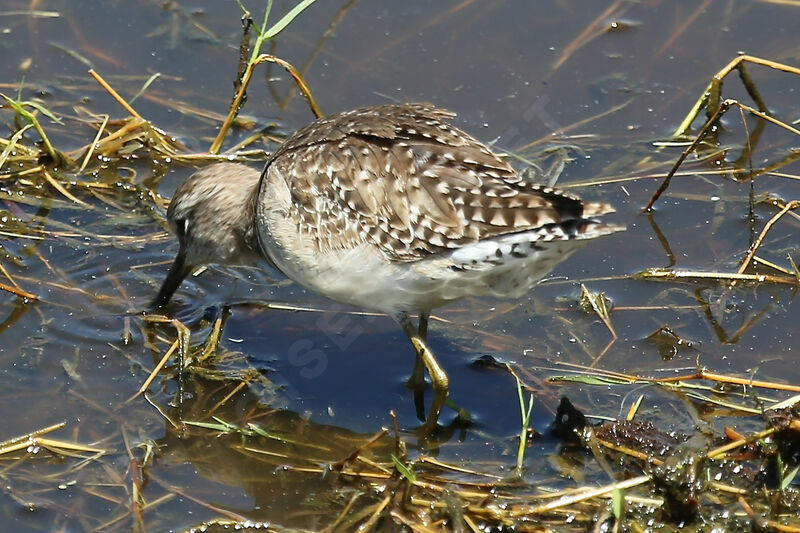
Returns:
<point x="177" y="272"/>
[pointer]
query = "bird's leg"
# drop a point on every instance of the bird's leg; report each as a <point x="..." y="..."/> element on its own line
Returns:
<point x="417" y="379"/>
<point x="423" y="324"/>
<point x="212" y="342"/>
<point x="441" y="383"/>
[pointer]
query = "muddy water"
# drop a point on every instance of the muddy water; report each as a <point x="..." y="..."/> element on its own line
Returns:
<point x="599" y="89"/>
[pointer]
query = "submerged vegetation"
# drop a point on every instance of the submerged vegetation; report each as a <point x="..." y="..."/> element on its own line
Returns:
<point x="723" y="453"/>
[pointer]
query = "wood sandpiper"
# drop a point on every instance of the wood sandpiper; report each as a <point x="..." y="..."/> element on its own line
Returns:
<point x="388" y="208"/>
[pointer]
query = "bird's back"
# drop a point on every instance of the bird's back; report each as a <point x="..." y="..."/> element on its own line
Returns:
<point x="409" y="183"/>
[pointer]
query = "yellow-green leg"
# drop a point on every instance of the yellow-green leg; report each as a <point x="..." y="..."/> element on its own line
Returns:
<point x="425" y="357"/>
<point x="416" y="381"/>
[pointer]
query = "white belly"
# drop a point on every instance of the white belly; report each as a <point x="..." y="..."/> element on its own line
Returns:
<point x="363" y="277"/>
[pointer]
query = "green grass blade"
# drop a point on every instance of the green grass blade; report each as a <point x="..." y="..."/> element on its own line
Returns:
<point x="789" y="476"/>
<point x="44" y="111"/>
<point x="404" y="470"/>
<point x="287" y="19"/>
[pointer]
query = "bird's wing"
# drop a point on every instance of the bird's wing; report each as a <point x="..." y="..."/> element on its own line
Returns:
<point x="412" y="184"/>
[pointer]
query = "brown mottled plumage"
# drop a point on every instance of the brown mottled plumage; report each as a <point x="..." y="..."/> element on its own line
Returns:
<point x="388" y="208"/>
<point x="415" y="184"/>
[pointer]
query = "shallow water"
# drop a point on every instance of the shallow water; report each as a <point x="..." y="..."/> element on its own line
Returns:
<point x="326" y="376"/>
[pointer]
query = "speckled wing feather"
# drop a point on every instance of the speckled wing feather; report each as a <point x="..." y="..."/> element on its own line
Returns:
<point x="412" y="184"/>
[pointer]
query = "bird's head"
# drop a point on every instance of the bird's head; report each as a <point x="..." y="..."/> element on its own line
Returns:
<point x="212" y="215"/>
